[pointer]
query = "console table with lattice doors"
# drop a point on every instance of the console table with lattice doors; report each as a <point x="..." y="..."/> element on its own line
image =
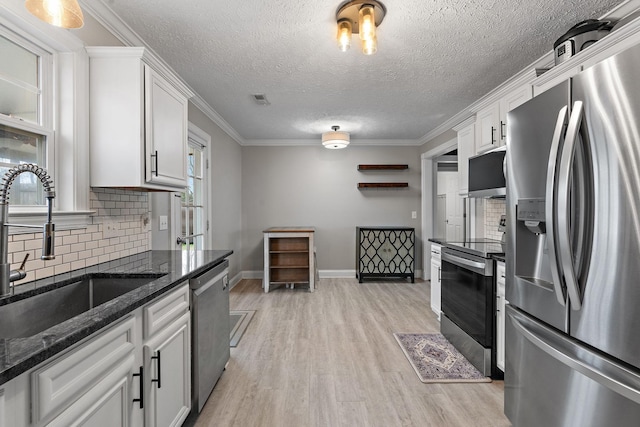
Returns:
<point x="385" y="252"/>
<point x="289" y="257"/>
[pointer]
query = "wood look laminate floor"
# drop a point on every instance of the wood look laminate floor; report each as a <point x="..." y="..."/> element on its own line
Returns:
<point x="329" y="359"/>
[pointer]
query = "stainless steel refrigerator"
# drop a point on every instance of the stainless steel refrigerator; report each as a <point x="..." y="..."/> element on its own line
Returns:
<point x="573" y="251"/>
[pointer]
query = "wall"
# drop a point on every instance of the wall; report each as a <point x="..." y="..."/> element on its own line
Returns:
<point x="126" y="211"/>
<point x="313" y="186"/>
<point x="439" y="140"/>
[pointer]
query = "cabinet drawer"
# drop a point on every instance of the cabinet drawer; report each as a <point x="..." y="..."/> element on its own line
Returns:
<point x="169" y="308"/>
<point x="58" y="384"/>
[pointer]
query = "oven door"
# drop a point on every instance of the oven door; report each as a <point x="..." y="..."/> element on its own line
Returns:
<point x="468" y="294"/>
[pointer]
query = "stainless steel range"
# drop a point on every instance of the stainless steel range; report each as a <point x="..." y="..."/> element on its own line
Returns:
<point x="468" y="301"/>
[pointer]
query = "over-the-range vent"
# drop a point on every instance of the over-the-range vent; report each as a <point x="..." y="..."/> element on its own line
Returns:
<point x="260" y="98"/>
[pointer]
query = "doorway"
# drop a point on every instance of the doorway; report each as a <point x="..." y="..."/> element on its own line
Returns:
<point x="190" y="207"/>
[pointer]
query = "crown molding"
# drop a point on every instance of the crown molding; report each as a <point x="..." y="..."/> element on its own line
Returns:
<point x="316" y="142"/>
<point x="528" y="74"/>
<point x="116" y="26"/>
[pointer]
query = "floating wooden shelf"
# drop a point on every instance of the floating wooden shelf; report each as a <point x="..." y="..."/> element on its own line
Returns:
<point x="381" y="167"/>
<point x="383" y="184"/>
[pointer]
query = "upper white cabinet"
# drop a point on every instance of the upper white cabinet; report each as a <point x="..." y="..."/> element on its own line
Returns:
<point x="487" y="127"/>
<point x="138" y="121"/>
<point x="491" y="121"/>
<point x="466" y="147"/>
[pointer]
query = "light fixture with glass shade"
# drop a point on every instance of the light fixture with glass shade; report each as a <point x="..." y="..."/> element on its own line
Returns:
<point x="360" y="17"/>
<point x="335" y="139"/>
<point x="61" y="13"/>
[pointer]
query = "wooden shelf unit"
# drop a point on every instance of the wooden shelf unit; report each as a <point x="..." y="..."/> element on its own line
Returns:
<point x="362" y="185"/>
<point x="289" y="257"/>
<point x="382" y="167"/>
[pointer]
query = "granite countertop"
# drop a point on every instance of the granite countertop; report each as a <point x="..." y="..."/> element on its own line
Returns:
<point x="499" y="258"/>
<point x="18" y="355"/>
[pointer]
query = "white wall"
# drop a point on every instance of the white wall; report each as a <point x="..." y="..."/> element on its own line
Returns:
<point x="314" y="186"/>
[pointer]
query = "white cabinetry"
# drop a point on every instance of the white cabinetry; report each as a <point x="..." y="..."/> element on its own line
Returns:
<point x="491" y="121"/>
<point x="135" y="373"/>
<point x="138" y="121"/>
<point x="435" y="279"/>
<point x="167" y="359"/>
<point x="553" y="78"/>
<point x="91" y="385"/>
<point x="466" y="147"/>
<point x="500" y="314"/>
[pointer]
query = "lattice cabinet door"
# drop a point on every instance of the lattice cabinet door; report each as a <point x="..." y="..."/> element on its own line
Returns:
<point x="385" y="252"/>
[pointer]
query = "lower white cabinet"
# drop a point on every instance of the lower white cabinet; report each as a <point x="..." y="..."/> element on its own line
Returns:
<point x="118" y="377"/>
<point x="436" y="279"/>
<point x="90" y="385"/>
<point x="500" y="314"/>
<point x="168" y="357"/>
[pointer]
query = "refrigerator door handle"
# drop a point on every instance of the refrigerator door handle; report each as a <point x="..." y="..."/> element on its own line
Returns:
<point x="604" y="371"/>
<point x="564" y="205"/>
<point x="551" y="212"/>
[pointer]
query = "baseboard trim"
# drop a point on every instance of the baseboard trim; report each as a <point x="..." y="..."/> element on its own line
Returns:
<point x="324" y="274"/>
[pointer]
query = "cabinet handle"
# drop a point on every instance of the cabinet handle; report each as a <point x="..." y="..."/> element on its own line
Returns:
<point x="141" y="376"/>
<point x="159" y="379"/>
<point x="439" y="277"/>
<point x="155" y="157"/>
<point x="493" y="135"/>
<point x="502" y="134"/>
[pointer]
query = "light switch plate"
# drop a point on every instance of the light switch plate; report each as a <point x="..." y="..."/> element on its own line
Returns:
<point x="163" y="220"/>
<point x="414" y="214"/>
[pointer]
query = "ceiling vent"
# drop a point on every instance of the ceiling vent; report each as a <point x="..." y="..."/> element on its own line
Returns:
<point x="261" y="99"/>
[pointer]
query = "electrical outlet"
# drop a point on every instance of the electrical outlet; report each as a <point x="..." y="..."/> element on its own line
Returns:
<point x="110" y="228"/>
<point x="414" y="214"/>
<point x="164" y="222"/>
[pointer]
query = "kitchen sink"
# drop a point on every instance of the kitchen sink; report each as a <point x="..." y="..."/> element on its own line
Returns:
<point x="35" y="314"/>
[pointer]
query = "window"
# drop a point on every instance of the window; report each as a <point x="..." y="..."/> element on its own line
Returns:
<point x="192" y="199"/>
<point x="25" y="115"/>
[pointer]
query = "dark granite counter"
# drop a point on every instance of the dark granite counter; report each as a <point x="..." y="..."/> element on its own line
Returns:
<point x="499" y="258"/>
<point x="438" y="240"/>
<point x="18" y="355"/>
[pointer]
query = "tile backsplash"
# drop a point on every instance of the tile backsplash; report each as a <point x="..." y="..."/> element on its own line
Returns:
<point x="493" y="208"/>
<point x="125" y="212"/>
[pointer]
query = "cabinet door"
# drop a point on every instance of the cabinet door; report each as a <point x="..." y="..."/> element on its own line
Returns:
<point x="107" y="404"/>
<point x="487" y="122"/>
<point x="466" y="138"/>
<point x="508" y="103"/>
<point x="165" y="132"/>
<point x="500" y="320"/>
<point x="435" y="287"/>
<point x="167" y="361"/>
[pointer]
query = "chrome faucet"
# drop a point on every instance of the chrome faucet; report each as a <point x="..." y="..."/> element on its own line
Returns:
<point x="6" y="274"/>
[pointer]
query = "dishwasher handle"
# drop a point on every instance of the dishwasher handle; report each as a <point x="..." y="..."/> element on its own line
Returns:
<point x="212" y="275"/>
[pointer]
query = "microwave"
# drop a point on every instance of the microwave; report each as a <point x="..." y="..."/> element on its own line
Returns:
<point x="487" y="176"/>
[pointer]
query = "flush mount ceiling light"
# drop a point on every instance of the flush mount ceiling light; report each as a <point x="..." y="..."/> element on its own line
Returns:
<point x="360" y="17"/>
<point x="61" y="13"/>
<point x="335" y="139"/>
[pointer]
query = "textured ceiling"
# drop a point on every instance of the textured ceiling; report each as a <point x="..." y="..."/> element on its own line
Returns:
<point x="435" y="57"/>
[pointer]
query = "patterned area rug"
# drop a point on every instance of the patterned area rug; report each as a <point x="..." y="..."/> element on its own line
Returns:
<point x="239" y="320"/>
<point x="435" y="360"/>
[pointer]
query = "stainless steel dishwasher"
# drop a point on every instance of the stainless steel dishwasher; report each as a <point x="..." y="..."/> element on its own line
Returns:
<point x="210" y="311"/>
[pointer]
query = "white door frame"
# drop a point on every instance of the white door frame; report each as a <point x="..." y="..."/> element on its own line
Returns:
<point x="428" y="205"/>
